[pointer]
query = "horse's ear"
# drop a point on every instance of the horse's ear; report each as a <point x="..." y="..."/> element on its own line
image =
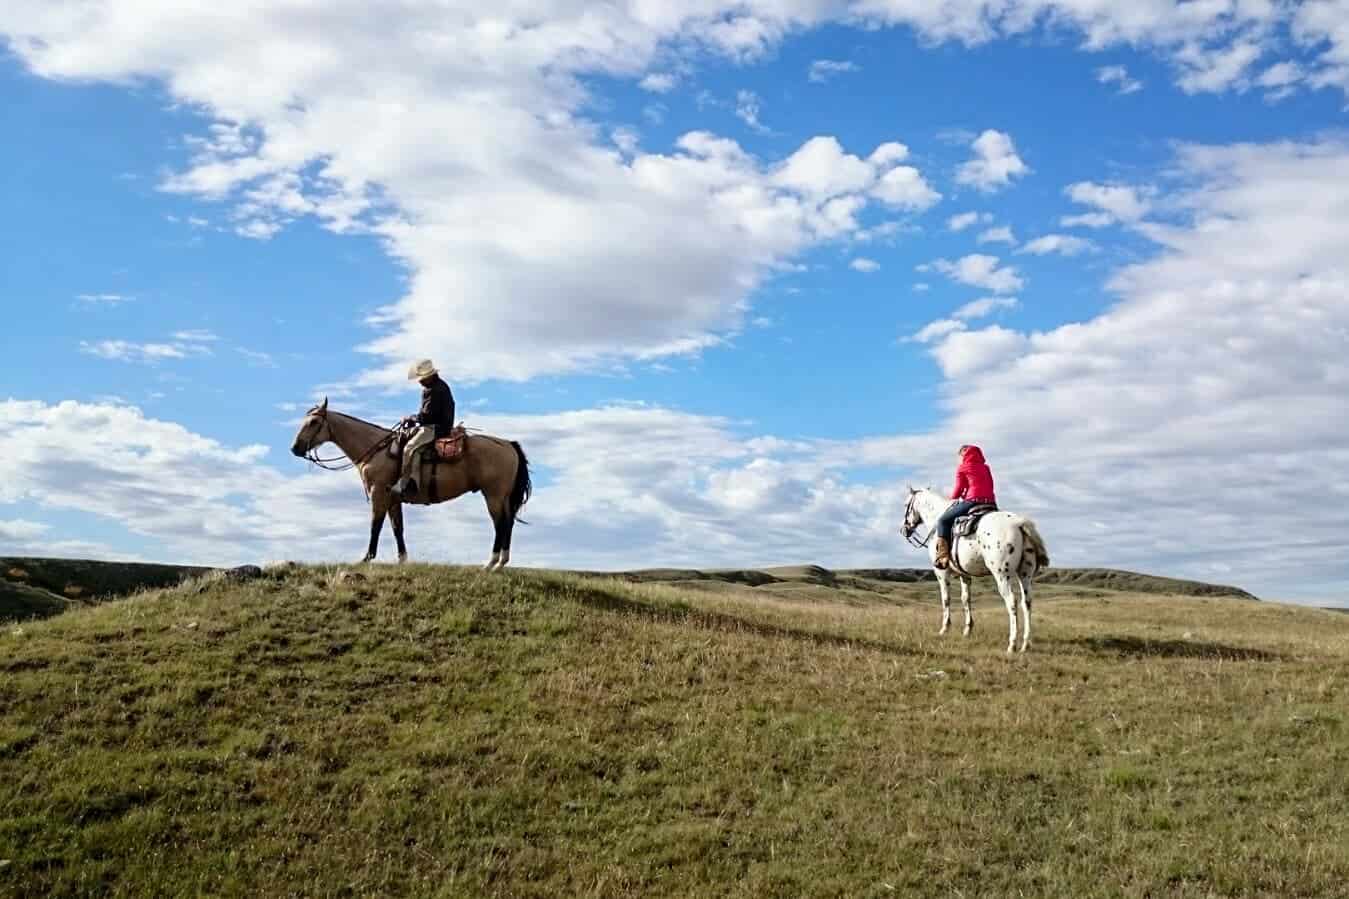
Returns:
<point x="323" y="406"/>
<point x="911" y="490"/>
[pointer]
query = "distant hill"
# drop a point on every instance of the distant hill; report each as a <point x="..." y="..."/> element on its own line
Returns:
<point x="38" y="588"/>
<point x="1086" y="578"/>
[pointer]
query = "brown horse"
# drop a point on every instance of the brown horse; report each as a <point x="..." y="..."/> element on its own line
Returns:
<point x="496" y="468"/>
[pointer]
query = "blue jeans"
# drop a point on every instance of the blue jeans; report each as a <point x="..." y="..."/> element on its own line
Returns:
<point x="948" y="520"/>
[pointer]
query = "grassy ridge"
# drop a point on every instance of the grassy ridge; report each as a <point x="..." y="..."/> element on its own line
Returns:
<point x="430" y="731"/>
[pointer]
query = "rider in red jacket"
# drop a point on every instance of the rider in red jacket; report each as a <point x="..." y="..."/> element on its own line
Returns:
<point x="974" y="487"/>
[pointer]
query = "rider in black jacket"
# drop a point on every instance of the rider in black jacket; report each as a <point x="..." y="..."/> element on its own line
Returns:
<point x="434" y="420"/>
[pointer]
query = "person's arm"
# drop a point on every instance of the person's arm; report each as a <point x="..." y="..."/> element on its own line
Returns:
<point x="962" y="483"/>
<point x="426" y="415"/>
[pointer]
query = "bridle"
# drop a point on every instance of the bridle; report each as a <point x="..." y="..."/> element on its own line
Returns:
<point x="908" y="529"/>
<point x="345" y="464"/>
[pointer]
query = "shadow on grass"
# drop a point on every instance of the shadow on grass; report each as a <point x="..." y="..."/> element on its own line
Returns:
<point x="1141" y="647"/>
<point x="680" y="613"/>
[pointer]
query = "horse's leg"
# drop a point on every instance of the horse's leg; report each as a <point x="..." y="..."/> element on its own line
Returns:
<point x="507" y="532"/>
<point x="379" y="507"/>
<point x="1025" y="583"/>
<point x="496" y="507"/>
<point x="396" y="519"/>
<point x="965" y="604"/>
<point x="945" y="589"/>
<point x="1004" y="583"/>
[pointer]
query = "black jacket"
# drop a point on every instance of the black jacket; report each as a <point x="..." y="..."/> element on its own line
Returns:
<point x="437" y="407"/>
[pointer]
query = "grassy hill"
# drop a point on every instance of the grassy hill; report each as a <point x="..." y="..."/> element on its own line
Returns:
<point x="439" y="732"/>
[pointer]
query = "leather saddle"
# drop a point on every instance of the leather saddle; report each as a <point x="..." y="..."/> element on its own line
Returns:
<point x="447" y="450"/>
<point x="967" y="524"/>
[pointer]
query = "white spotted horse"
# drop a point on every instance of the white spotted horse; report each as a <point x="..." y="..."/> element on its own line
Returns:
<point x="1004" y="546"/>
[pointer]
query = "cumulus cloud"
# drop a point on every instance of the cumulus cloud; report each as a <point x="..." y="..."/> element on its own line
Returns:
<point x="1223" y="355"/>
<point x="963" y="220"/>
<point x="618" y="486"/>
<point x="1001" y="234"/>
<point x="862" y="264"/>
<point x="341" y="115"/>
<point x="659" y="82"/>
<point x="1112" y="202"/>
<point x="995" y="163"/>
<point x="980" y="270"/>
<point x="1061" y="244"/>
<point x="985" y="306"/>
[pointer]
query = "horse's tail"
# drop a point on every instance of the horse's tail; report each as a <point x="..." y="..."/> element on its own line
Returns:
<point x="524" y="484"/>
<point x="1035" y="542"/>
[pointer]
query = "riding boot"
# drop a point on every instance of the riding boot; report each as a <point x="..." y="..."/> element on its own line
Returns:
<point x="404" y="487"/>
<point x="943" y="553"/>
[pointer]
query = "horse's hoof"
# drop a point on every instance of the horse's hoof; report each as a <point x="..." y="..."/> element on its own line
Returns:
<point x="402" y="559"/>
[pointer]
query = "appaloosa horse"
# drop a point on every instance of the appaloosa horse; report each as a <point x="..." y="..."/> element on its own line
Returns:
<point x="1006" y="546"/>
<point x="496" y="468"/>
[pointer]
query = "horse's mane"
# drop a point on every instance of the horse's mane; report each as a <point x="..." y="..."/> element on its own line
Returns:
<point x="349" y="417"/>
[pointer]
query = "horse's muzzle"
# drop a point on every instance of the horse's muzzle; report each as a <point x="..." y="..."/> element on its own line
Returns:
<point x="297" y="450"/>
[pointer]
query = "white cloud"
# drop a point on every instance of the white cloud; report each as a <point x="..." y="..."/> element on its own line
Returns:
<point x="1088" y="220"/>
<point x="862" y="264"/>
<point x="195" y="336"/>
<point x="626" y="139"/>
<point x="128" y="351"/>
<point x="821" y="70"/>
<point x="659" y="82"/>
<point x="979" y="270"/>
<point x="1115" y="202"/>
<point x="1211" y="70"/>
<point x="1001" y="234"/>
<point x="1119" y="76"/>
<point x="18" y="529"/>
<point x="942" y="327"/>
<point x="963" y="220"/>
<point x="1062" y="244"/>
<point x="747" y="109"/>
<point x="965" y="352"/>
<point x="984" y="307"/>
<point x="619" y="486"/>
<point x="994" y="165"/>
<point x="922" y="287"/>
<point x="903" y="187"/>
<point x="342" y="115"/>
<point x="1224" y="355"/>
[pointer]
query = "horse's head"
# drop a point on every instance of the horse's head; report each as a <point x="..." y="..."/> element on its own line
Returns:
<point x="313" y="431"/>
<point x="911" y="517"/>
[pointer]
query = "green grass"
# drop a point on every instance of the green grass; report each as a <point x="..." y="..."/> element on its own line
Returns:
<point x="438" y="732"/>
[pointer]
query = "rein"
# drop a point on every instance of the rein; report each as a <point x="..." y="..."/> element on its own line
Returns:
<point x="348" y="464"/>
<point x="908" y="531"/>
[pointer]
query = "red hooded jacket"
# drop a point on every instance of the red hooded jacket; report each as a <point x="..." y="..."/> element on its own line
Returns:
<point x="974" y="481"/>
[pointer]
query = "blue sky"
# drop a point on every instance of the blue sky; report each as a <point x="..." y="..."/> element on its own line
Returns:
<point x="666" y="254"/>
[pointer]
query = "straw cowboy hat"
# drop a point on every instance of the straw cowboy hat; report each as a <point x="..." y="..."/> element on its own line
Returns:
<point x="423" y="369"/>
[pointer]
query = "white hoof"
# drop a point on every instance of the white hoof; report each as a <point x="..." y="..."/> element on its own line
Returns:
<point x="492" y="562"/>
